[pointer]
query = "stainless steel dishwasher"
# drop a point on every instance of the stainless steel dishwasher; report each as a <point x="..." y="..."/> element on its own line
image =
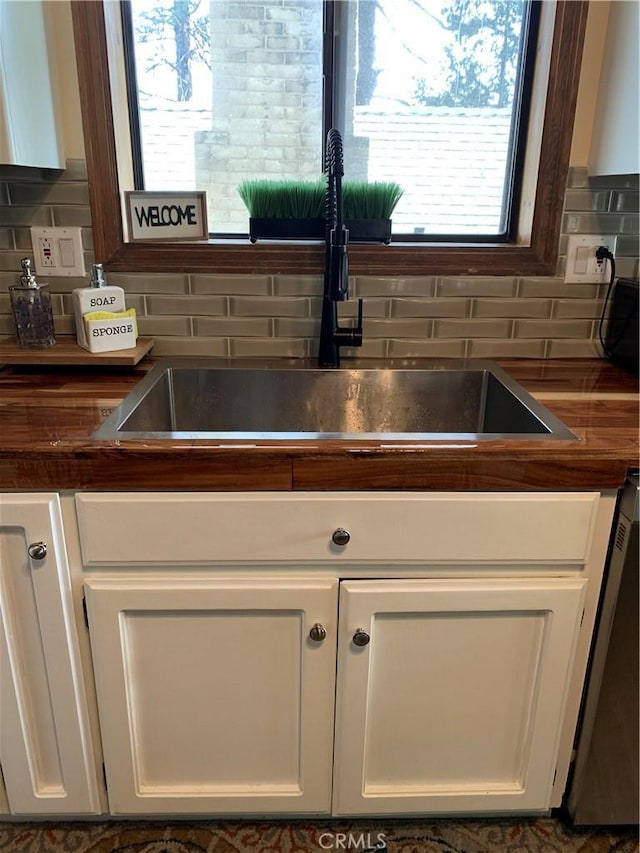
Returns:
<point x="604" y="787"/>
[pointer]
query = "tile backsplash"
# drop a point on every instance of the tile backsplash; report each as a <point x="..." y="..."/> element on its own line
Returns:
<point x="278" y="315"/>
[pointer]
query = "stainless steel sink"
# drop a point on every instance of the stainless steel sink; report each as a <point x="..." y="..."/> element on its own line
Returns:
<point x="196" y="398"/>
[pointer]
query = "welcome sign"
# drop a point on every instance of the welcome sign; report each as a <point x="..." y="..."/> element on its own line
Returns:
<point x="166" y="215"/>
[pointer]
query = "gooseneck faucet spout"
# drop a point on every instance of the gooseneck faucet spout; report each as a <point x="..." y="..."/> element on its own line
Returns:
<point x="336" y="270"/>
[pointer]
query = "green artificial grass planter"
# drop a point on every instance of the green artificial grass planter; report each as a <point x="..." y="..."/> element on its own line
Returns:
<point x="286" y="210"/>
<point x="269" y="199"/>
<point x="377" y="200"/>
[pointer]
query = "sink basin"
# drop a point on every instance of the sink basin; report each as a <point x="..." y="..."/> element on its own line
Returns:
<point x="196" y="398"/>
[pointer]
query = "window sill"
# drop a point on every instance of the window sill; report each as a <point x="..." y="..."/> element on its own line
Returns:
<point x="397" y="259"/>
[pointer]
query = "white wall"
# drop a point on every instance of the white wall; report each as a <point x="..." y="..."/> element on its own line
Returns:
<point x="60" y="27"/>
<point x="592" y="59"/>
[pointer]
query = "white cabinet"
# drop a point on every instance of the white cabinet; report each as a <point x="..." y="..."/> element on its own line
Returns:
<point x="615" y="144"/>
<point x="45" y="746"/>
<point x="474" y="611"/>
<point x="213" y="696"/>
<point x="30" y="133"/>
<point x="455" y="698"/>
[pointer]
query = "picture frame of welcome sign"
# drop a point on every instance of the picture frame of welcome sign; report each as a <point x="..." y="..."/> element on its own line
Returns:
<point x="154" y="216"/>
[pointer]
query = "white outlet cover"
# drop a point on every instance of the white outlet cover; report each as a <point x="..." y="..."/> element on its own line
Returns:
<point x="581" y="246"/>
<point x="64" y="258"/>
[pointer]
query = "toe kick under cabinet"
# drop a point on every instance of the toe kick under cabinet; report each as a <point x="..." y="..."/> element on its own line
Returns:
<point x="347" y="654"/>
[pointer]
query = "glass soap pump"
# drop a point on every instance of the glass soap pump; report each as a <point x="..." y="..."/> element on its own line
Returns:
<point x="31" y="307"/>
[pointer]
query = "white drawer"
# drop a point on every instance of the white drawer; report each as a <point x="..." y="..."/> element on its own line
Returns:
<point x="194" y="527"/>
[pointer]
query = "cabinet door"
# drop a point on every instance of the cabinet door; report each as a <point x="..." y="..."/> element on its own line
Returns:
<point x="615" y="143"/>
<point x="45" y="745"/>
<point x="212" y="695"/>
<point x="456" y="702"/>
<point x="27" y="137"/>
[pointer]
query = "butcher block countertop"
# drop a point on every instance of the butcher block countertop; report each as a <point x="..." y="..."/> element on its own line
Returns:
<point x="48" y="416"/>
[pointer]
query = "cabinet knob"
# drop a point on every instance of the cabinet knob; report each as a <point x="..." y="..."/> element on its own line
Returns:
<point x="361" y="638"/>
<point x="341" y="536"/>
<point x="318" y="633"/>
<point x="37" y="550"/>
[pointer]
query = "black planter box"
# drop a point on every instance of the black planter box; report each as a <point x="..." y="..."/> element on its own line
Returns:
<point x="369" y="230"/>
<point x="360" y="230"/>
<point x="285" y="229"/>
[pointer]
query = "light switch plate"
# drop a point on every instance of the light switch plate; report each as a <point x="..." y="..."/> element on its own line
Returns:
<point x="582" y="264"/>
<point x="58" y="251"/>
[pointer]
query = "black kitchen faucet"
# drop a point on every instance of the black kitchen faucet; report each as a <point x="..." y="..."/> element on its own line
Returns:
<point x="336" y="268"/>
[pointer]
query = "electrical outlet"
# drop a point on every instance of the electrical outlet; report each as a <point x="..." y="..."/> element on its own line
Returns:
<point x="45" y="252"/>
<point x="58" y="251"/>
<point x="582" y="264"/>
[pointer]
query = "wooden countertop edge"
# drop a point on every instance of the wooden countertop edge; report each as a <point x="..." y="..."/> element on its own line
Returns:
<point x="622" y="446"/>
<point x="261" y="469"/>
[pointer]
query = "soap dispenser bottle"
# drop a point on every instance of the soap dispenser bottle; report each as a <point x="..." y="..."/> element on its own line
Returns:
<point x="31" y="308"/>
<point x="99" y="296"/>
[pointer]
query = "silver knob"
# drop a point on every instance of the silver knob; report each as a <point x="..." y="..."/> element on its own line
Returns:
<point x="361" y="638"/>
<point x="37" y="550"/>
<point x="318" y="633"/>
<point x="341" y="536"/>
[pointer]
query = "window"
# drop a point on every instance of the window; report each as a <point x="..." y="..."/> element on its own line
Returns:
<point x="531" y="251"/>
<point x="432" y="94"/>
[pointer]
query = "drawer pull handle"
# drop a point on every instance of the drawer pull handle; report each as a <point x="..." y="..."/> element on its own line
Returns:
<point x="37" y="550"/>
<point x="318" y="633"/>
<point x="341" y="536"/>
<point x="361" y="638"/>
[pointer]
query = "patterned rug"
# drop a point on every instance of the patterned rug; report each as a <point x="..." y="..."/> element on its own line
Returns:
<point x="544" y="835"/>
